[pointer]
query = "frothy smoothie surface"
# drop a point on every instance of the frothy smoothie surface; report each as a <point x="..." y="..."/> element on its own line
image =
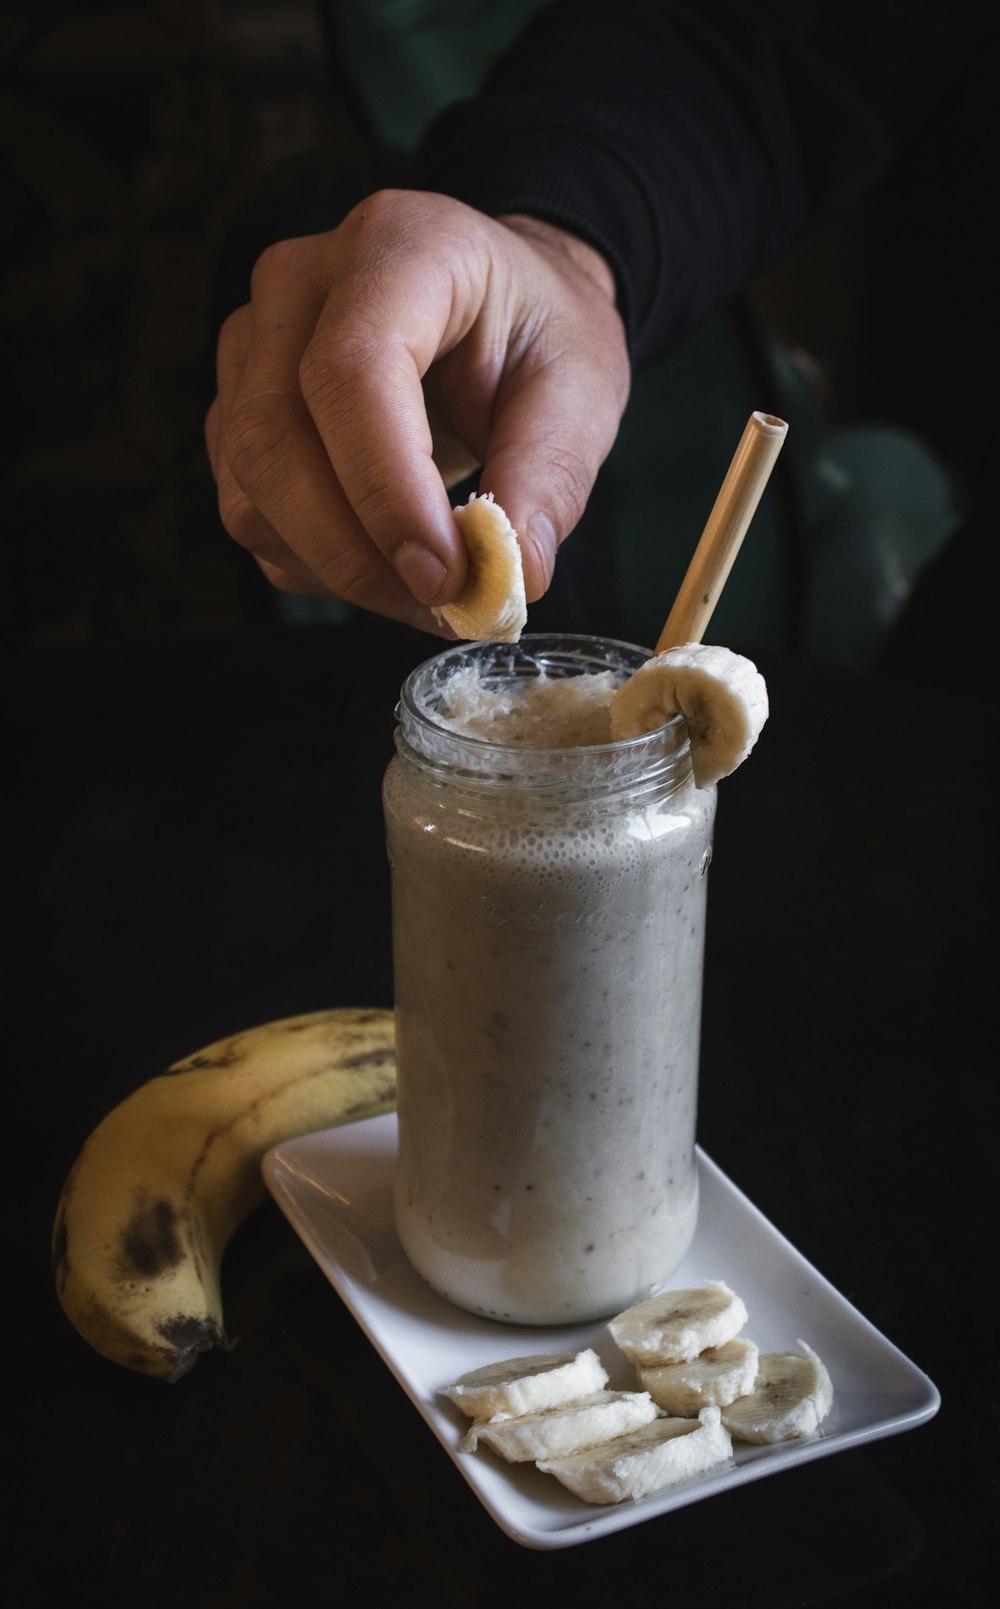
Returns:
<point x="559" y="712"/>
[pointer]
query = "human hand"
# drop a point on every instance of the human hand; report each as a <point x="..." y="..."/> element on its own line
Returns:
<point x="376" y="364"/>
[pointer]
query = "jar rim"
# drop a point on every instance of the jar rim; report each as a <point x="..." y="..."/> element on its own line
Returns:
<point x="422" y="735"/>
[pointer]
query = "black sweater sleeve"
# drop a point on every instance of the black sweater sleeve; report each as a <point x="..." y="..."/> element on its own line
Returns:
<point x="694" y="141"/>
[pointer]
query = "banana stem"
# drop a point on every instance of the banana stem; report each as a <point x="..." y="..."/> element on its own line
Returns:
<point x="724" y="531"/>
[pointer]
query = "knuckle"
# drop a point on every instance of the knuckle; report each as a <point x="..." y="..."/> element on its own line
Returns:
<point x="327" y="369"/>
<point x="282" y="580"/>
<point x="337" y="372"/>
<point x="350" y="574"/>
<point x="570" y="481"/>
<point x="385" y="209"/>
<point x="276" y="262"/>
<point x="232" y="508"/>
<point x="376" y="499"/>
<point x="242" y="521"/>
<point x="232" y="332"/>
<point x="254" y="443"/>
<point x="333" y="362"/>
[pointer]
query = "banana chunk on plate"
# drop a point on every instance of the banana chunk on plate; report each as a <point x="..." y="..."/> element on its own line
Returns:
<point x="721" y="695"/>
<point x="555" y="1432"/>
<point x="491" y="607"/>
<point x="675" y="1326"/>
<point x="792" y="1395"/>
<point x="526" y="1384"/>
<point x="718" y="1375"/>
<point x="659" y="1454"/>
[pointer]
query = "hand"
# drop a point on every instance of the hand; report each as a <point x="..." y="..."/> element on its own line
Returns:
<point x="376" y="364"/>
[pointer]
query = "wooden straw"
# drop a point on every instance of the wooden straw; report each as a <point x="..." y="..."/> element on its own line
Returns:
<point x="727" y="525"/>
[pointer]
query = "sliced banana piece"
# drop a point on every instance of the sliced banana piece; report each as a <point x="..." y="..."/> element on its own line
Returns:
<point x="722" y="696"/>
<point x="793" y="1394"/>
<point x="659" y="1454"/>
<point x="554" y="1432"/>
<point x="526" y="1384"/>
<point x="675" y="1326"/>
<point x="718" y="1375"/>
<point x="491" y="606"/>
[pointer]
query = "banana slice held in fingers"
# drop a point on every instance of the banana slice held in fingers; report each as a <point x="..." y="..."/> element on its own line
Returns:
<point x="675" y="1326"/>
<point x="718" y="1375"/>
<point x="491" y="606"/>
<point x="721" y="695"/>
<point x="791" y="1397"/>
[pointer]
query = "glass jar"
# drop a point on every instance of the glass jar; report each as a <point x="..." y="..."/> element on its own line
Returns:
<point x="548" y="916"/>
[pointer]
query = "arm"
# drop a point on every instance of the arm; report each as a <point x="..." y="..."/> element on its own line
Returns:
<point x="625" y="170"/>
<point x="692" y="144"/>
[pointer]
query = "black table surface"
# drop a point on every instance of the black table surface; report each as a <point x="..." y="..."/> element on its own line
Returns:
<point x="198" y="848"/>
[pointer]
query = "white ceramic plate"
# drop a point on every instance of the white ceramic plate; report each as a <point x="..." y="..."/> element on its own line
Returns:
<point x="335" y="1190"/>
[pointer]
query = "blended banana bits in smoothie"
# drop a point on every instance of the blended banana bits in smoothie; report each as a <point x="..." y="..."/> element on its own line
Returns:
<point x="545" y="711"/>
<point x="548" y="926"/>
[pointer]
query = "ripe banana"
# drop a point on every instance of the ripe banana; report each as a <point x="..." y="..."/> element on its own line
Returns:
<point x="657" y="1455"/>
<point x="491" y="606"/>
<point x="166" y="1178"/>
<point x="722" y="696"/>
<point x="675" y="1326"/>
<point x="793" y="1393"/>
<point x="719" y="1375"/>
<point x="525" y="1384"/>
<point x="555" y="1432"/>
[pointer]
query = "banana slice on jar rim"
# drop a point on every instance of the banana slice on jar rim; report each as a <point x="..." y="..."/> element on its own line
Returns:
<point x="721" y="695"/>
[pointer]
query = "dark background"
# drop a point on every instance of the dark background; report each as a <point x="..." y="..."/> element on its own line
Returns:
<point x="131" y="136"/>
<point x="187" y="768"/>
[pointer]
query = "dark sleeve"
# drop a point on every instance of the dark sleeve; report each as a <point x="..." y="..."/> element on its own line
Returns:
<point x="694" y="141"/>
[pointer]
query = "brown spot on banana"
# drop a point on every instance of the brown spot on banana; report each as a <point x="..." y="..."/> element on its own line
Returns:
<point x="150" y="1241"/>
<point x="373" y="1059"/>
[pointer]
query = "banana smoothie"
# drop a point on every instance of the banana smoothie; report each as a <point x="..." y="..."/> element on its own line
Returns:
<point x="548" y="899"/>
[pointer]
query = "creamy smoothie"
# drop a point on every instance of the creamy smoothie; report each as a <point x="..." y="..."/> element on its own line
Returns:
<point x="548" y="893"/>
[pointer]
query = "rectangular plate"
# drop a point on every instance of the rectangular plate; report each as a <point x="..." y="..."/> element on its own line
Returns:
<point x="335" y="1190"/>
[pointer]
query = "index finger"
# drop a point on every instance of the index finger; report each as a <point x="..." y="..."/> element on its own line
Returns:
<point x="397" y="308"/>
<point x="283" y="498"/>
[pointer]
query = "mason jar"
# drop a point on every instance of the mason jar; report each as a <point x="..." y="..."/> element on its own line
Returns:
<point x="548" y="918"/>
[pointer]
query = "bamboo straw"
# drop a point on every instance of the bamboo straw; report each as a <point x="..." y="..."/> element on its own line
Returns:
<point x="727" y="525"/>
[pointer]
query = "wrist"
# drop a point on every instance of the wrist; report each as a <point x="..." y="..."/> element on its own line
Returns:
<point x="561" y="242"/>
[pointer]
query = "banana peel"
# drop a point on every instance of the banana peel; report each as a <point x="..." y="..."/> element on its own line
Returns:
<point x="166" y="1178"/>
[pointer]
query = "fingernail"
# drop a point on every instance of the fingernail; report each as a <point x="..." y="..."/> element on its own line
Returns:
<point x="421" y="570"/>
